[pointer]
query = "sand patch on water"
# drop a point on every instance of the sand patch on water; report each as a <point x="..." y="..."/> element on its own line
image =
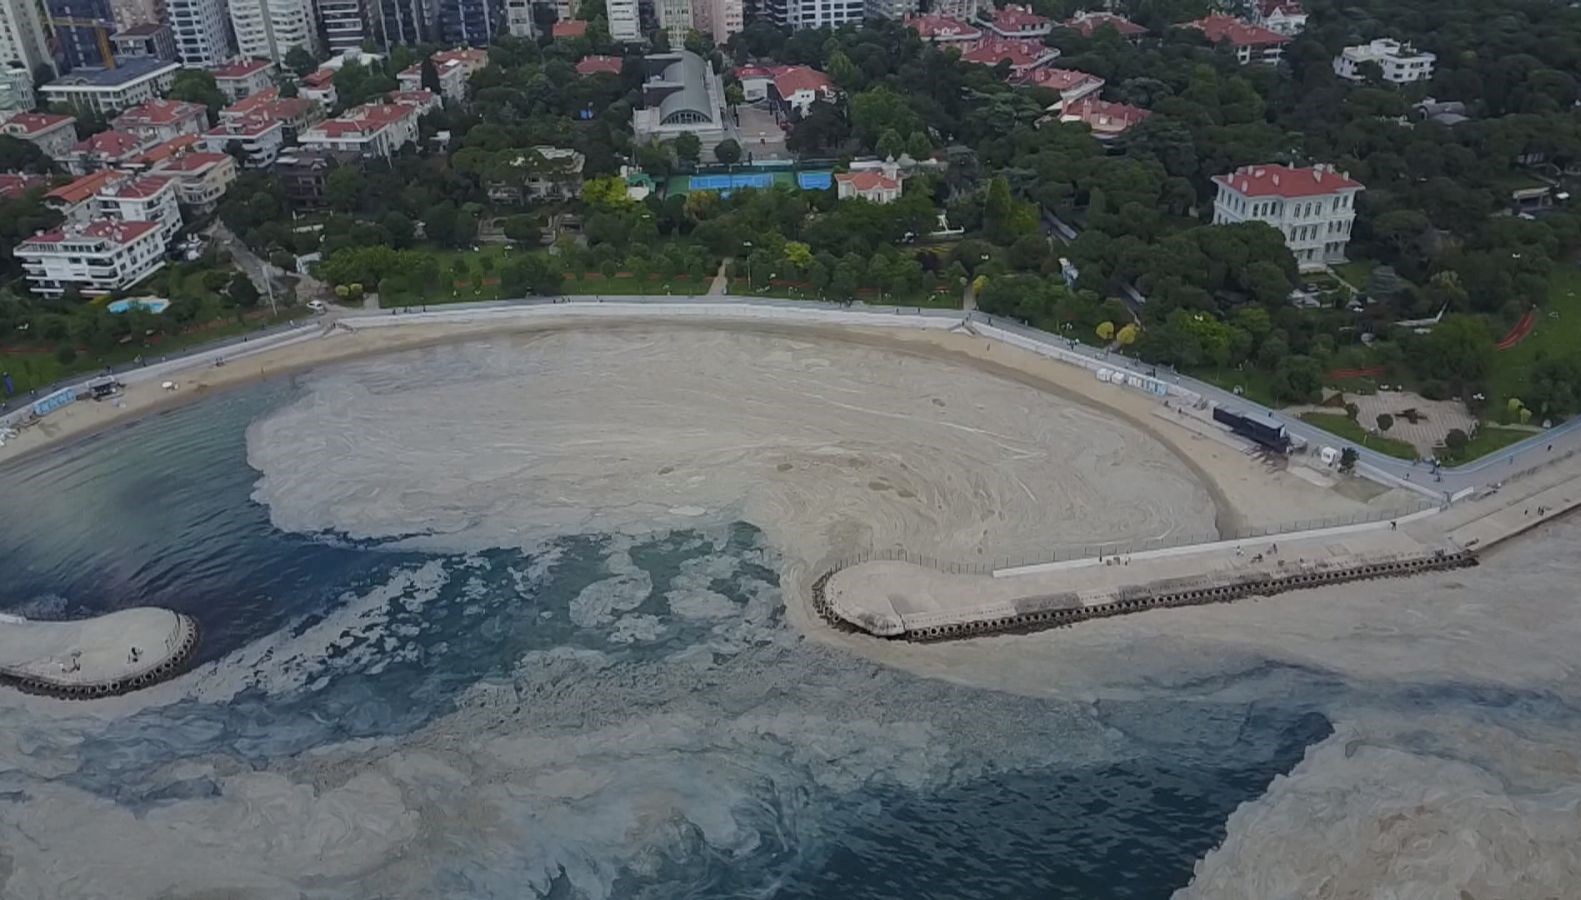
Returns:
<point x="834" y="448"/>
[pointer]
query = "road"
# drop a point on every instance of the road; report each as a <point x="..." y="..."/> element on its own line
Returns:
<point x="1486" y="472"/>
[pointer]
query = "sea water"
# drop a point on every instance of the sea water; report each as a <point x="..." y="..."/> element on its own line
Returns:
<point x="885" y="785"/>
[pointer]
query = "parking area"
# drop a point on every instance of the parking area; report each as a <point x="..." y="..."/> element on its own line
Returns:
<point x="761" y="137"/>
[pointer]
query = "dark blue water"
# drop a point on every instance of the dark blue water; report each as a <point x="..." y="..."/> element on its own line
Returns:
<point x="333" y="640"/>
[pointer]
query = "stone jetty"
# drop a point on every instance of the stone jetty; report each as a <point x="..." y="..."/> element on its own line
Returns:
<point x="99" y="657"/>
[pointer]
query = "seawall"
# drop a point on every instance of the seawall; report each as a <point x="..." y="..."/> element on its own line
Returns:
<point x="104" y="656"/>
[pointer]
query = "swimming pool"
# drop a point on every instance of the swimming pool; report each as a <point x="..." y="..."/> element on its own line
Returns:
<point x="815" y="181"/>
<point x="152" y="304"/>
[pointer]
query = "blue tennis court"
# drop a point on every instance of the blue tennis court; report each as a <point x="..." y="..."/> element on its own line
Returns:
<point x="815" y="181"/>
<point x="729" y="182"/>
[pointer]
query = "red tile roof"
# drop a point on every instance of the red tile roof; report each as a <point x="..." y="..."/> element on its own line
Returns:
<point x="419" y="98"/>
<point x="590" y="65"/>
<point x="173" y="147"/>
<point x="110" y="145"/>
<point x="75" y="192"/>
<point x="1228" y="29"/>
<point x="369" y="119"/>
<point x="158" y="112"/>
<point x="113" y="230"/>
<point x="742" y="73"/>
<point x="474" y="57"/>
<point x="1089" y="22"/>
<point x="1014" y="19"/>
<point x="319" y="78"/>
<point x="138" y="188"/>
<point x="569" y="28"/>
<point x="1059" y="79"/>
<point x="250" y="126"/>
<point x="196" y="161"/>
<point x="867" y="181"/>
<point x="1022" y="54"/>
<point x="789" y="80"/>
<point x="243" y="69"/>
<point x="13" y="185"/>
<point x="36" y="123"/>
<point x="1104" y="118"/>
<point x="255" y="102"/>
<point x="1287" y="182"/>
<point x="942" y="28"/>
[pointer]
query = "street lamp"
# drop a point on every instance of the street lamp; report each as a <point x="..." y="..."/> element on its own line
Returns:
<point x="748" y="245"/>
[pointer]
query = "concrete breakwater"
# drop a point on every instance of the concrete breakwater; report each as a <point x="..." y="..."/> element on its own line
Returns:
<point x="1060" y="610"/>
<point x="89" y="659"/>
<point x="903" y="600"/>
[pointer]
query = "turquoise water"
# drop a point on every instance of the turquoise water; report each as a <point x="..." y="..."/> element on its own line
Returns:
<point x="883" y="784"/>
<point x="152" y="304"/>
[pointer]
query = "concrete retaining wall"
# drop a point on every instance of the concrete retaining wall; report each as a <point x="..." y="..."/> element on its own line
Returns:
<point x="178" y="651"/>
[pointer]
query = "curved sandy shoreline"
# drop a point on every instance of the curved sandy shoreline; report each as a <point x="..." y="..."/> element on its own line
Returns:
<point x="1243" y="494"/>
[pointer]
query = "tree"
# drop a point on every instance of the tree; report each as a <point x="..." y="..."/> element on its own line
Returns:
<point x="1105" y="331"/>
<point x="343" y="188"/>
<point x="1127" y="334"/>
<point x="430" y="76"/>
<point x="1456" y="440"/>
<point x="890" y="144"/>
<point x="1296" y="378"/>
<point x="1385" y="421"/>
<point x="728" y="151"/>
<point x="1348" y="458"/>
<point x="1459" y="350"/>
<point x="197" y="86"/>
<point x="242" y="291"/>
<point x="688" y="148"/>
<point x="300" y="61"/>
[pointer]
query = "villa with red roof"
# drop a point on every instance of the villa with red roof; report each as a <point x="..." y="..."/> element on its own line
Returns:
<point x="241" y="79"/>
<point x="942" y="29"/>
<point x="426" y="101"/>
<point x="794" y="89"/>
<point x="105" y="150"/>
<point x="1313" y="207"/>
<point x="160" y="120"/>
<point x="454" y="68"/>
<point x="880" y="185"/>
<point x="569" y="28"/>
<point x="1106" y="120"/>
<point x="74" y="200"/>
<point x="1023" y="55"/>
<point x="375" y="129"/>
<point x="1090" y="22"/>
<point x="1252" y="43"/>
<point x="1071" y="84"/>
<point x="592" y="65"/>
<point x="1015" y="21"/>
<point x="170" y="149"/>
<point x="52" y="134"/>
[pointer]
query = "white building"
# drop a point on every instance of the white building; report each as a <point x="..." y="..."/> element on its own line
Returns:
<point x="880" y="185"/>
<point x="518" y="19"/>
<point x="269" y="29"/>
<point x="1401" y="63"/>
<point x="52" y="134"/>
<point x="675" y="18"/>
<point x="97" y="258"/>
<point x="319" y="86"/>
<point x="1285" y="17"/>
<point x="1312" y="207"/>
<point x="260" y="139"/>
<point x="201" y="178"/>
<point x="108" y="91"/>
<point x="344" y="24"/>
<point x="22" y="35"/>
<point x="681" y="94"/>
<point x="794" y="89"/>
<point x="162" y="120"/>
<point x="373" y="130"/>
<point x="718" y="18"/>
<point x="1015" y="21"/>
<point x="244" y="78"/>
<point x="145" y="198"/>
<point x="16" y="89"/>
<point x="1250" y="43"/>
<point x="798" y="14"/>
<point x="625" y="20"/>
<point x="454" y="68"/>
<point x="201" y="31"/>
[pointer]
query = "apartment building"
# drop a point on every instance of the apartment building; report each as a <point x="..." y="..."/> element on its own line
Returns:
<point x="343" y="24"/>
<point x="1251" y="43"/>
<point x="97" y="258"/>
<point x="454" y="68"/>
<point x="269" y="29"/>
<point x="1090" y="22"/>
<point x="144" y="39"/>
<point x="371" y="130"/>
<point x="1016" y="21"/>
<point x="22" y="35"/>
<point x="108" y="91"/>
<point x="105" y="150"/>
<point x="244" y="78"/>
<point x="201" y="178"/>
<point x="202" y="32"/>
<point x="52" y="134"/>
<point x="1400" y="63"/>
<point x="257" y="140"/>
<point x="625" y="20"/>
<point x="161" y="120"/>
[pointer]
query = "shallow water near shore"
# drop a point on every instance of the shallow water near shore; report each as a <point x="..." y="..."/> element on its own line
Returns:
<point x="597" y="714"/>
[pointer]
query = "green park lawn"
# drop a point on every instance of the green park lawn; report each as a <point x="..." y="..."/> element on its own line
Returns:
<point x="1255" y="385"/>
<point x="1488" y="439"/>
<point x="1558" y="331"/>
<point x="594" y="283"/>
<point x="1346" y="428"/>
